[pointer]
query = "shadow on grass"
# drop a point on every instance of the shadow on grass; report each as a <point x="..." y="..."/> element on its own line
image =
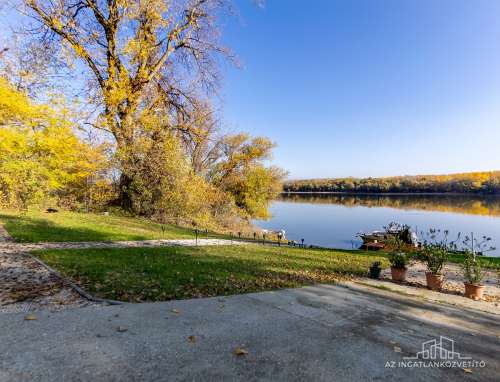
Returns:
<point x="35" y="229"/>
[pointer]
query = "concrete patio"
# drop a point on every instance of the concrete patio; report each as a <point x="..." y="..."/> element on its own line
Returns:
<point x="346" y="332"/>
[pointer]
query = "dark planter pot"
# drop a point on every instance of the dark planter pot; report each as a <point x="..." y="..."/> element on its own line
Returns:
<point x="375" y="272"/>
<point x="434" y="282"/>
<point x="398" y="274"/>
<point x="474" y="291"/>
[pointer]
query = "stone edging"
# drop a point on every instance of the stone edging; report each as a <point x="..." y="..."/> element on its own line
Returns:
<point x="74" y="286"/>
<point x="4" y="235"/>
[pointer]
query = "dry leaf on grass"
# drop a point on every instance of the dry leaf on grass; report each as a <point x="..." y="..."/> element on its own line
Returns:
<point x="239" y="351"/>
<point x="30" y="317"/>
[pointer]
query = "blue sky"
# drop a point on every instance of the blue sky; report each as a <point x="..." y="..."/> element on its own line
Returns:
<point x="366" y="87"/>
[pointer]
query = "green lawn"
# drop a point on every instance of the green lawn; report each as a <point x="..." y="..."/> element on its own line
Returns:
<point x="155" y="274"/>
<point x="488" y="262"/>
<point x="35" y="226"/>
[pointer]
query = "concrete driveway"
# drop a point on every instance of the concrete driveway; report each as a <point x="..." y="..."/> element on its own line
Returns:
<point x="320" y="333"/>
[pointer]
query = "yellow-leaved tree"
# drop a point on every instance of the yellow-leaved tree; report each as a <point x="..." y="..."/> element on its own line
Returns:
<point x="41" y="159"/>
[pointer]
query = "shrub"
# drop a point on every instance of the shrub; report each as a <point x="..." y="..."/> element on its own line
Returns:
<point x="473" y="270"/>
<point x="398" y="260"/>
<point x="434" y="255"/>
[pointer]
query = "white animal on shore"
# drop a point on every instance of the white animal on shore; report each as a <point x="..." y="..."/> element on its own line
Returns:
<point x="281" y="233"/>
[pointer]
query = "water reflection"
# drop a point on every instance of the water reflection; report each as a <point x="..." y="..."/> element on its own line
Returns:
<point x="473" y="205"/>
<point x="333" y="220"/>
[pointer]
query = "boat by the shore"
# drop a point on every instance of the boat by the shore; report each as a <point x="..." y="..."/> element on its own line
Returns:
<point x="378" y="239"/>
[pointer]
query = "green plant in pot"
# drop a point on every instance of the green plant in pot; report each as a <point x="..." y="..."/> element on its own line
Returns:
<point x="375" y="270"/>
<point x="434" y="256"/>
<point x="398" y="262"/>
<point x="435" y="253"/>
<point x="398" y="259"/>
<point x="473" y="268"/>
<point x="473" y="274"/>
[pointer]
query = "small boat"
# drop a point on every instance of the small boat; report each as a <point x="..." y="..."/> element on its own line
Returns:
<point x="392" y="231"/>
<point x="375" y="237"/>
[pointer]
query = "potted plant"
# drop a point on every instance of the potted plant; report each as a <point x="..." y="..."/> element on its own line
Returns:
<point x="473" y="268"/>
<point x="473" y="273"/>
<point x="398" y="262"/>
<point x="375" y="270"/>
<point x="398" y="258"/>
<point x="435" y="255"/>
<point x="434" y="252"/>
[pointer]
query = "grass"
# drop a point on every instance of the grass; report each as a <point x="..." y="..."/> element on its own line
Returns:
<point x="487" y="262"/>
<point x="155" y="274"/>
<point x="36" y="226"/>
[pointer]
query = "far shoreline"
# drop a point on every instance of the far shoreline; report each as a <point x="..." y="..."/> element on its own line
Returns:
<point x="387" y="193"/>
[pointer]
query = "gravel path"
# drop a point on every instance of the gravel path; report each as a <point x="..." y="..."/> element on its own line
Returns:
<point x="11" y="247"/>
<point x="28" y="286"/>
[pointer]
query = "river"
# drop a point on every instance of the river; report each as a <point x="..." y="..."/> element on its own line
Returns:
<point x="333" y="220"/>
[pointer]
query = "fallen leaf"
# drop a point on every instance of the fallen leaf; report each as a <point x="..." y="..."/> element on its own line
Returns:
<point x="176" y="311"/>
<point x="192" y="339"/>
<point x="467" y="370"/>
<point x="397" y="349"/>
<point x="121" y="329"/>
<point x="240" y="351"/>
<point x="30" y="317"/>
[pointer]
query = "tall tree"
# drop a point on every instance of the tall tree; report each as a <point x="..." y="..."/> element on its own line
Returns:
<point x="141" y="55"/>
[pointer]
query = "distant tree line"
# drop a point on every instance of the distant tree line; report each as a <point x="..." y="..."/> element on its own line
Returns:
<point x="471" y="204"/>
<point x="474" y="182"/>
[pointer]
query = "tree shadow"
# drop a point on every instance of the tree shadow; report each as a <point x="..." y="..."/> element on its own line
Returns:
<point x="34" y="229"/>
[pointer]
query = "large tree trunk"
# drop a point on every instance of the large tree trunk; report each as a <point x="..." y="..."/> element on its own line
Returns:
<point x="125" y="192"/>
<point x="127" y="164"/>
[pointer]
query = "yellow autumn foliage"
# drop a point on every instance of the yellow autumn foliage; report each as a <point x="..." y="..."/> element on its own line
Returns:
<point x="41" y="159"/>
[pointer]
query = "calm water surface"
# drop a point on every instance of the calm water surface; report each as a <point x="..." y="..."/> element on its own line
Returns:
<point x="333" y="220"/>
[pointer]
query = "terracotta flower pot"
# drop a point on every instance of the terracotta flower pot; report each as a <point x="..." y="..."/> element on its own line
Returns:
<point x="398" y="274"/>
<point x="474" y="291"/>
<point x="434" y="282"/>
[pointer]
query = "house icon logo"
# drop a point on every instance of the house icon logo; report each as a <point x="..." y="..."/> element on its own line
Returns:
<point x="442" y="349"/>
